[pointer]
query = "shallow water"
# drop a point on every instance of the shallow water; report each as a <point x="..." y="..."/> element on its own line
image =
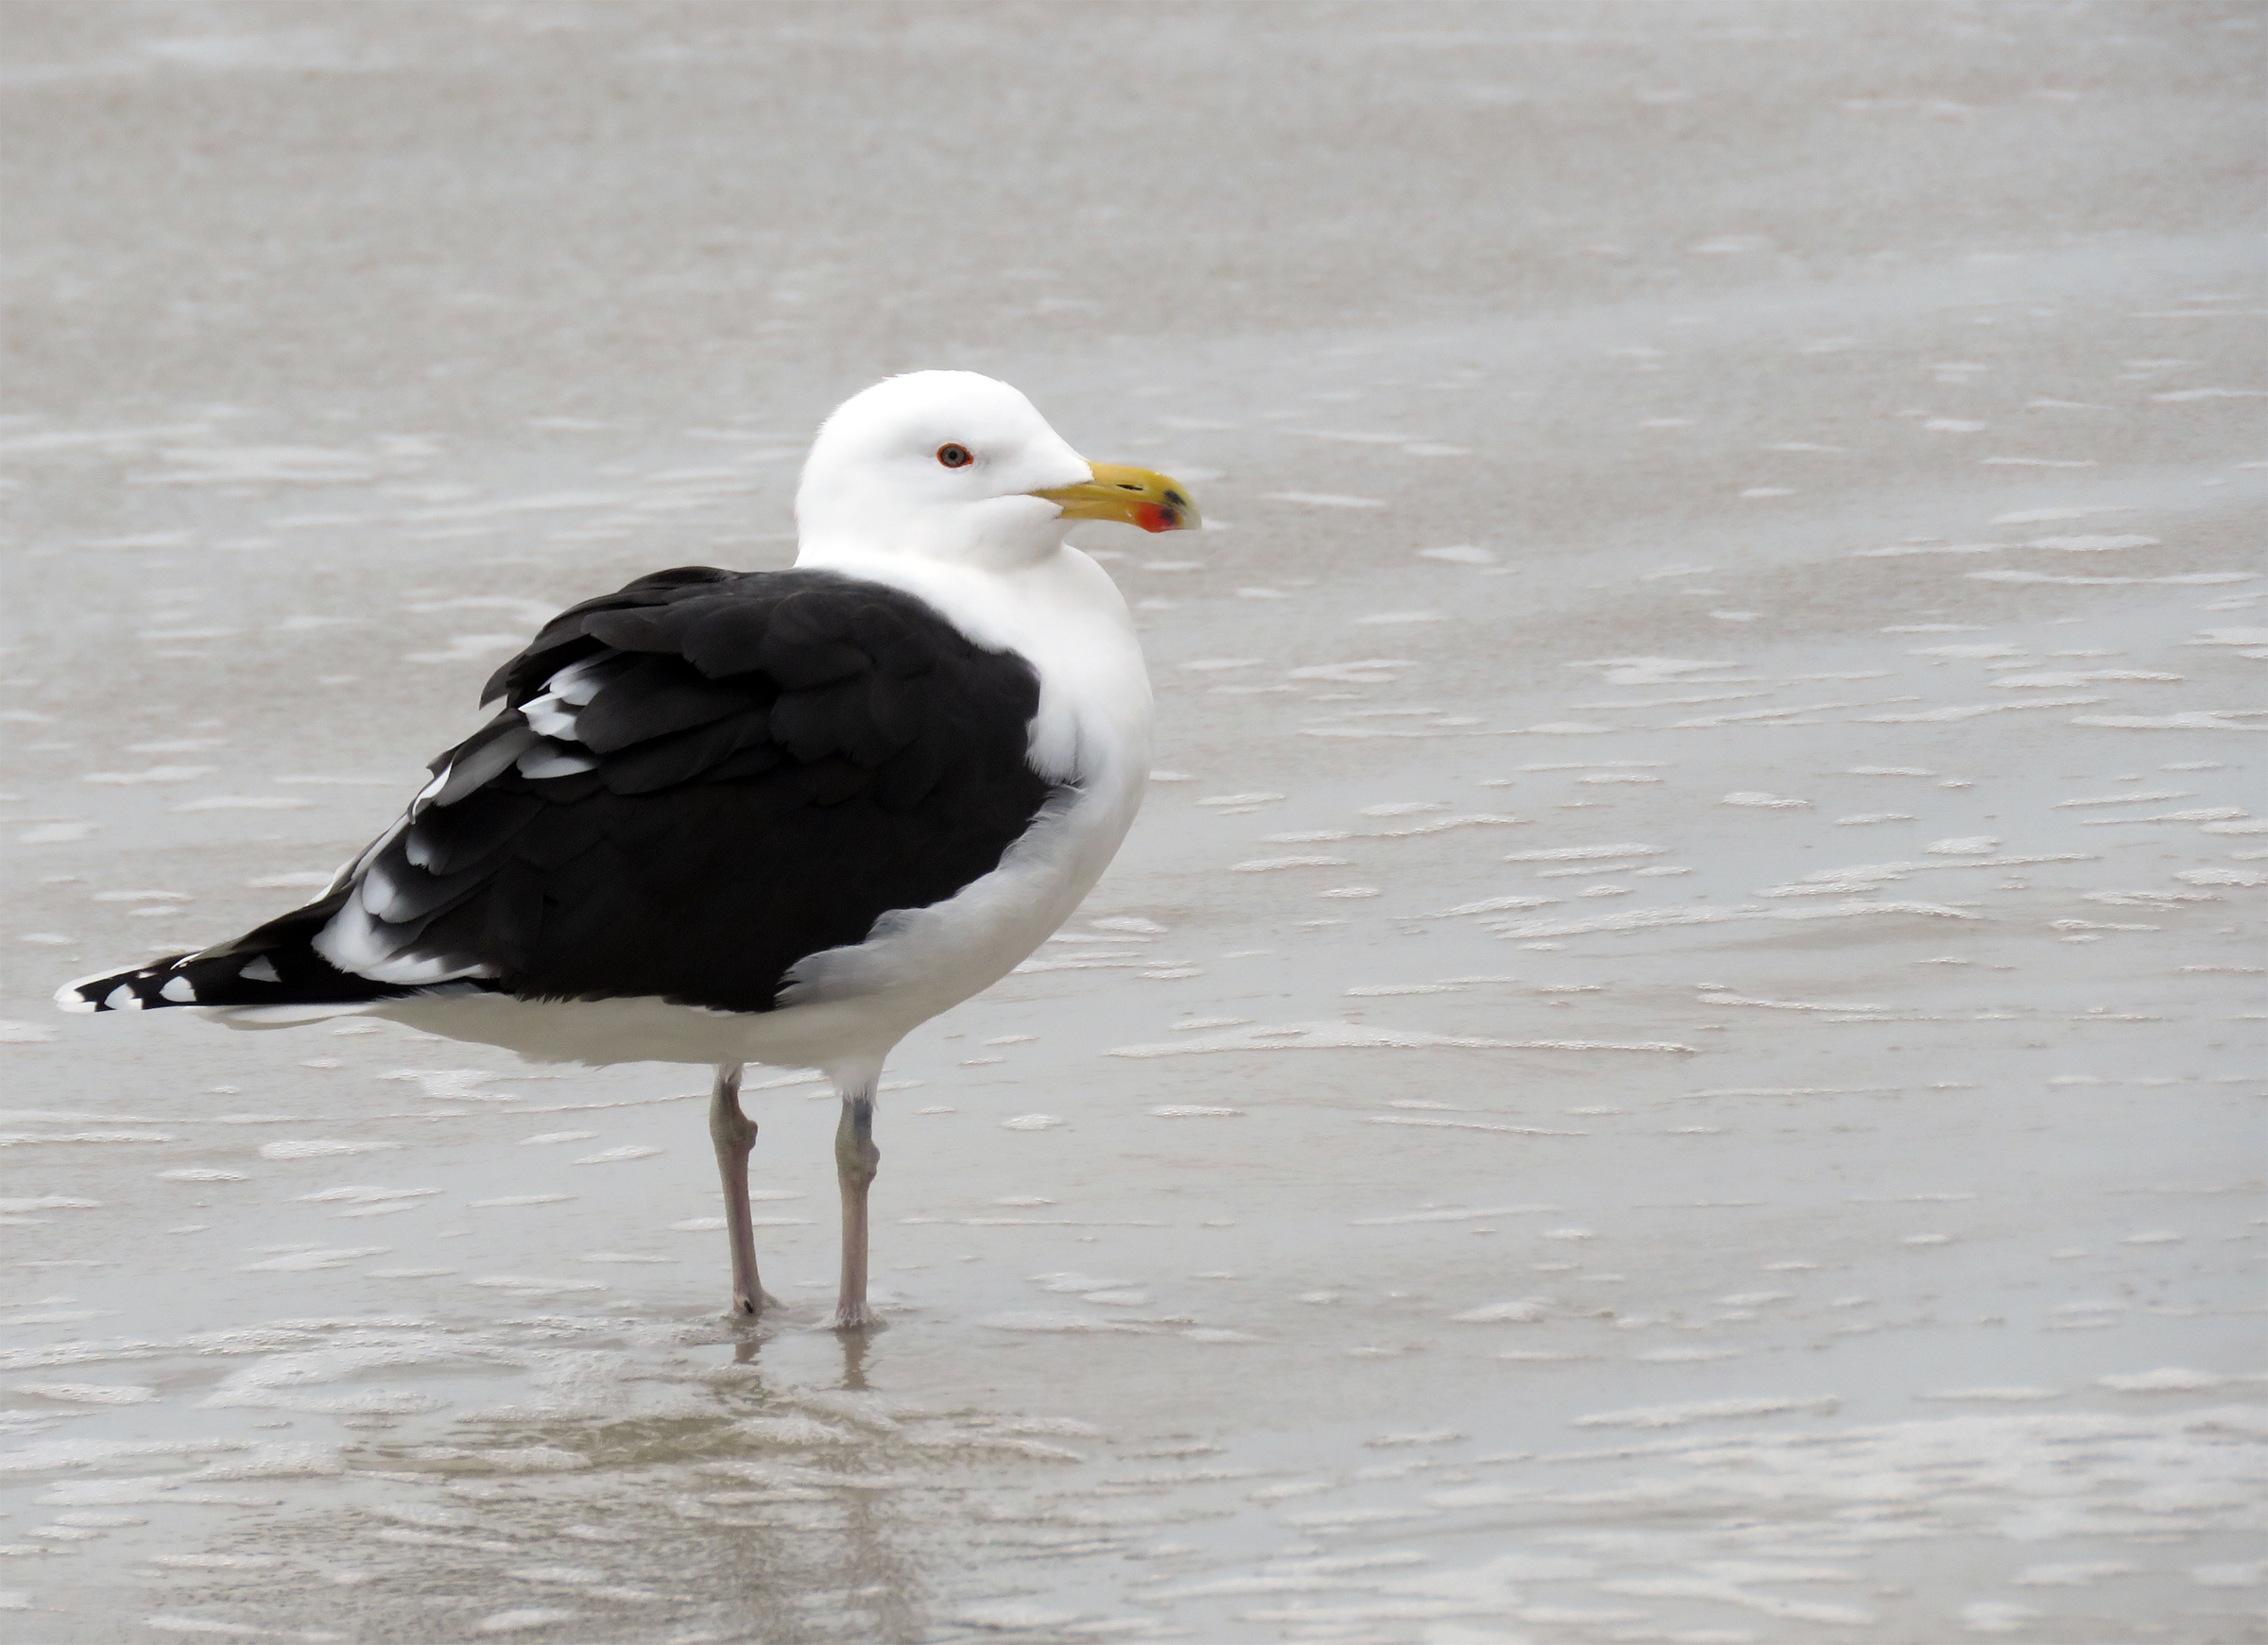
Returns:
<point x="1674" y="1056"/>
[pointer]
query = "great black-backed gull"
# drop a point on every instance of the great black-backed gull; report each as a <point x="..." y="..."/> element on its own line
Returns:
<point x="780" y="818"/>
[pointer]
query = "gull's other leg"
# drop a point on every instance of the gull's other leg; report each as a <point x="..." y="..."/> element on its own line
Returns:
<point x="734" y="1134"/>
<point x="856" y="1159"/>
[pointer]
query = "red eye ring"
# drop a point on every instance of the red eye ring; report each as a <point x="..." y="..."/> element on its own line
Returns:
<point x="955" y="457"/>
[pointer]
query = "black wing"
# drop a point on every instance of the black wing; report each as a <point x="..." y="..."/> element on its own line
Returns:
<point x="695" y="782"/>
<point x="704" y="777"/>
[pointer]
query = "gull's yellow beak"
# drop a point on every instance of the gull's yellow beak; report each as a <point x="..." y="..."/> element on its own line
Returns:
<point x="1137" y="496"/>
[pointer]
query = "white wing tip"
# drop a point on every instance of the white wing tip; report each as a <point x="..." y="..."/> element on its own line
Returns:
<point x="70" y="997"/>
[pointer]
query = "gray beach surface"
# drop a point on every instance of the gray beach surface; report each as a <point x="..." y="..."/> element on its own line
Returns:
<point x="1675" y="1057"/>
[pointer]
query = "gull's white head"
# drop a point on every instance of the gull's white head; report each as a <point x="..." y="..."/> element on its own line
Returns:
<point x="955" y="465"/>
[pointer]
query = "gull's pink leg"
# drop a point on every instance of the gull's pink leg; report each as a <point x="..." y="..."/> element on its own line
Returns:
<point x="734" y="1134"/>
<point x="856" y="1159"/>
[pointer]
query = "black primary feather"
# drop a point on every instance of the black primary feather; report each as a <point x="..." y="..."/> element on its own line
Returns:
<point x="270" y="965"/>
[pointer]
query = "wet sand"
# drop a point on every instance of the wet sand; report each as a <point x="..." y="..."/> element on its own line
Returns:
<point x="1674" y="1056"/>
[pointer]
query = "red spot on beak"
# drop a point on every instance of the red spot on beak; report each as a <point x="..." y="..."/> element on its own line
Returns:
<point x="1156" y="517"/>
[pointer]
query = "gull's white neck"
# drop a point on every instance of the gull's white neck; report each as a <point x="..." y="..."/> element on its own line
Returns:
<point x="1000" y="534"/>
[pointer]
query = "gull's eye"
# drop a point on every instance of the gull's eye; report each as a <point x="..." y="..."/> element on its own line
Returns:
<point x="955" y="457"/>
